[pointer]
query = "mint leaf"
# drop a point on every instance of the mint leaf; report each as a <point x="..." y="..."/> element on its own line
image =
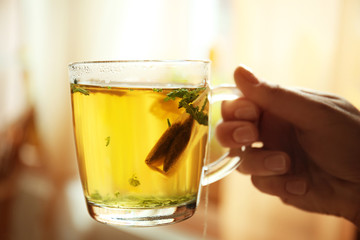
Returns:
<point x="176" y="93"/>
<point x="199" y="116"/>
<point x="187" y="98"/>
<point x="107" y="141"/>
<point x="76" y="88"/>
<point x="157" y="89"/>
<point x="134" y="181"/>
<point x="168" y="122"/>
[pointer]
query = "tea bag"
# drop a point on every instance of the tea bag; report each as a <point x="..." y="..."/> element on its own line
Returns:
<point x="174" y="140"/>
<point x="170" y="145"/>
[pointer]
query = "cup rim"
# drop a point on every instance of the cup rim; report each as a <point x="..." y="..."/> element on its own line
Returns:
<point x="205" y="61"/>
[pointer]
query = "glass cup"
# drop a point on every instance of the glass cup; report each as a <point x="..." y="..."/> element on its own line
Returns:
<point x="142" y="132"/>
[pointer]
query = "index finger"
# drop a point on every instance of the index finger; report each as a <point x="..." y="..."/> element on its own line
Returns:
<point x="240" y="109"/>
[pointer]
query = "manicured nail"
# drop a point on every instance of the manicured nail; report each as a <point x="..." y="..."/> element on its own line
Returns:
<point x="275" y="163"/>
<point x="247" y="113"/>
<point x="244" y="135"/>
<point x="296" y="187"/>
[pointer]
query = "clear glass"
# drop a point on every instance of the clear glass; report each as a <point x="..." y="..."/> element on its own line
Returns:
<point x="141" y="131"/>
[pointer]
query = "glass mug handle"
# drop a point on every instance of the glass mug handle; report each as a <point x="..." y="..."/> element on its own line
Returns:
<point x="226" y="163"/>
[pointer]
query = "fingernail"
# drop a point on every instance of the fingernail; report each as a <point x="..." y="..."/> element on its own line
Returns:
<point x="247" y="68"/>
<point x="248" y="113"/>
<point x="297" y="187"/>
<point x="276" y="163"/>
<point x="247" y="74"/>
<point x="244" y="135"/>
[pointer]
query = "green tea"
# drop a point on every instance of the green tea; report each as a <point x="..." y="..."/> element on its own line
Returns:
<point x="140" y="147"/>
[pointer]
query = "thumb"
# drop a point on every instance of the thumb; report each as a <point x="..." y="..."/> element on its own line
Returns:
<point x="294" y="106"/>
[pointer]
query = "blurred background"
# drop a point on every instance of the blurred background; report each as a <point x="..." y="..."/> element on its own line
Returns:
<point x="312" y="44"/>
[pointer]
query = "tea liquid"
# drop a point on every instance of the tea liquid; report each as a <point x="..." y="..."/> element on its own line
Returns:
<point x="115" y="129"/>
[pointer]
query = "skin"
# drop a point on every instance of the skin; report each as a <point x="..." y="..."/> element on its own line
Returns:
<point x="310" y="157"/>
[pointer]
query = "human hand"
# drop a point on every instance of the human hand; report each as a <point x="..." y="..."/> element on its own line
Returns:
<point x="311" y="145"/>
